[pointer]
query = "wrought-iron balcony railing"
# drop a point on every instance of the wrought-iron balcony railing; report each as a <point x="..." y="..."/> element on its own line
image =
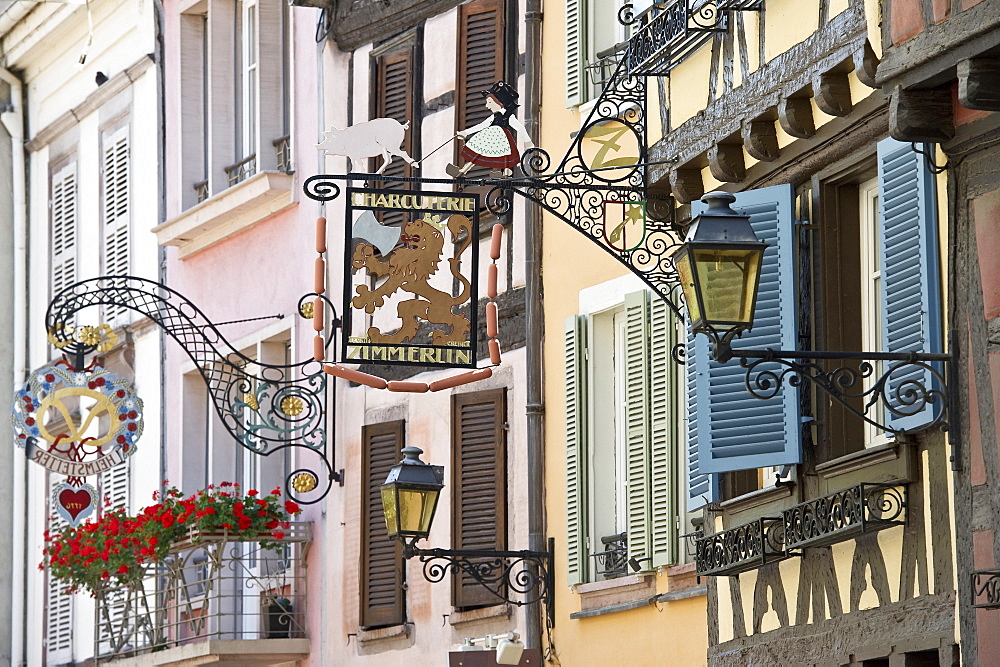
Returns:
<point x="242" y="170"/>
<point x="669" y="32"/>
<point x="283" y="153"/>
<point x="602" y="68"/>
<point x="211" y="587"/>
<point x="201" y="190"/>
<point x="839" y="516"/>
<point x="741" y="548"/>
<point x="613" y="561"/>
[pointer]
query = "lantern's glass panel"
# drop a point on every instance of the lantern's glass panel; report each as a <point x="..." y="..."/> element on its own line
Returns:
<point x="682" y="261"/>
<point x="728" y="282"/>
<point x="416" y="509"/>
<point x="389" y="509"/>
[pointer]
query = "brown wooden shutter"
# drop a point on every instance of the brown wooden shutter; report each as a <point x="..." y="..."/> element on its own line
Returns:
<point x="395" y="90"/>
<point x="479" y="495"/>
<point x="382" y="572"/>
<point x="480" y="64"/>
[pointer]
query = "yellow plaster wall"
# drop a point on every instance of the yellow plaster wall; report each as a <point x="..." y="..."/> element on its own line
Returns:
<point x="838" y="7"/>
<point x="689" y="86"/>
<point x="787" y="23"/>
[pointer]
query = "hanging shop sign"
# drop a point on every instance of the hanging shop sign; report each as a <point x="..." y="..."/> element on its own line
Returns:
<point x="76" y="423"/>
<point x="410" y="286"/>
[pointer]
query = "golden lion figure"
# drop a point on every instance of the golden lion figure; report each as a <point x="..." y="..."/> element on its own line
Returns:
<point x="409" y="267"/>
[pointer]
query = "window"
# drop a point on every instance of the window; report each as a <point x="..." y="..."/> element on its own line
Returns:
<point x="621" y="432"/>
<point x="480" y="65"/>
<point x="249" y="79"/>
<point x="593" y="33"/>
<point x="479" y="496"/>
<point x="63" y="211"/>
<point x="382" y="566"/>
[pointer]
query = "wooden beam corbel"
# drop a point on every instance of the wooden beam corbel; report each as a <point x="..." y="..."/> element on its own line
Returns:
<point x="832" y="91"/>
<point x="921" y="115"/>
<point x="979" y="83"/>
<point x="866" y="65"/>
<point x="761" y="140"/>
<point x="726" y="163"/>
<point x="686" y="185"/>
<point x="795" y="115"/>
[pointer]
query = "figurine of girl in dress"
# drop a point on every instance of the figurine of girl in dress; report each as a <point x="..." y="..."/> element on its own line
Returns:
<point x="493" y="142"/>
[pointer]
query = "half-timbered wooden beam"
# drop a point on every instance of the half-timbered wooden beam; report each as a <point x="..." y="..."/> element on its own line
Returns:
<point x="686" y="185"/>
<point x="795" y="115"/>
<point x="761" y="139"/>
<point x="832" y="91"/>
<point x="979" y="83"/>
<point x="921" y="115"/>
<point x="726" y="162"/>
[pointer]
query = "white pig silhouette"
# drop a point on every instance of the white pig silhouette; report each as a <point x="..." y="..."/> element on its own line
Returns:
<point x="381" y="136"/>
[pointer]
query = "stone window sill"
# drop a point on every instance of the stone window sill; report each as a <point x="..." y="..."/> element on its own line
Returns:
<point x="495" y="611"/>
<point x="228" y="213"/>
<point x="379" y="634"/>
<point x="273" y="652"/>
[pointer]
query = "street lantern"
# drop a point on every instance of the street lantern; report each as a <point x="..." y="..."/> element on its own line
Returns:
<point x="719" y="267"/>
<point x="410" y="496"/>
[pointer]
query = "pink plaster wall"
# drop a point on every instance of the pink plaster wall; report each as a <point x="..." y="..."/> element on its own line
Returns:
<point x="986" y="214"/>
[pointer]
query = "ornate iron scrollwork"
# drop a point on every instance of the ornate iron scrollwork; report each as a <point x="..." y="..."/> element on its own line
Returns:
<point x="986" y="589"/>
<point x="503" y="573"/>
<point x="837" y="516"/>
<point x="741" y="548"/>
<point x="265" y="407"/>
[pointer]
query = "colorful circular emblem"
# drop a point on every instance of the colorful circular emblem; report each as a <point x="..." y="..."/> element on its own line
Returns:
<point x="77" y="423"/>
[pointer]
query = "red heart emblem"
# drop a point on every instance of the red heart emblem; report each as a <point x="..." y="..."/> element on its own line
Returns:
<point x="75" y="502"/>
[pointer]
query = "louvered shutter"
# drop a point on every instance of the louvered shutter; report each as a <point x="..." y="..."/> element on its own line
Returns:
<point x="480" y="64"/>
<point x="394" y="98"/>
<point x="382" y="571"/>
<point x="575" y="345"/>
<point x="113" y="484"/>
<point x="911" y="284"/>
<point x="637" y="422"/>
<point x="663" y="434"/>
<point x="701" y="487"/>
<point x="575" y="52"/>
<point x="64" y="227"/>
<point x="737" y="431"/>
<point x="59" y="605"/>
<point x="479" y="495"/>
<point x="116" y="227"/>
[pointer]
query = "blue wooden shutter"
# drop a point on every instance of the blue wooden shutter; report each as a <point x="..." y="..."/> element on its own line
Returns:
<point x="911" y="299"/>
<point x="574" y="340"/>
<point x="735" y="430"/>
<point x="701" y="487"/>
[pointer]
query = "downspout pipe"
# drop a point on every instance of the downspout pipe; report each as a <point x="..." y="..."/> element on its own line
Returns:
<point x="161" y="182"/>
<point x="534" y="324"/>
<point x="13" y="356"/>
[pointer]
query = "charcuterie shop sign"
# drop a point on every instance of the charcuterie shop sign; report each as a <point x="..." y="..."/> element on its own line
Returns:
<point x="410" y="278"/>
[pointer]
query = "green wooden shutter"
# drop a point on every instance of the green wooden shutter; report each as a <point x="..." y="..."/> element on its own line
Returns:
<point x="479" y="494"/>
<point x="911" y="284"/>
<point x="382" y="567"/>
<point x="575" y="345"/>
<point x="575" y="50"/>
<point x="637" y="418"/>
<point x="737" y="431"/>
<point x="663" y="391"/>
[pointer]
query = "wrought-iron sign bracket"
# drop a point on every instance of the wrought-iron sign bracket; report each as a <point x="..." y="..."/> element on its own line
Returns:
<point x="271" y="409"/>
<point x="899" y="388"/>
<point x="503" y="573"/>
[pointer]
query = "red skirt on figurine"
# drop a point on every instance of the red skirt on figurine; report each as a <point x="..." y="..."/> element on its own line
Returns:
<point x="495" y="147"/>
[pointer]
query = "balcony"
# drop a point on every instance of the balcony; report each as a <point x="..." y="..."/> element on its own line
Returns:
<point x="214" y="600"/>
<point x="613" y="560"/>
<point x="740" y="549"/>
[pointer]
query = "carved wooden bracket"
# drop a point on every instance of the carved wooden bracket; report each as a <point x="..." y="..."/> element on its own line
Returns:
<point x="866" y="65"/>
<point x="686" y="185"/>
<point x="726" y="163"/>
<point x="795" y="115"/>
<point x="761" y="140"/>
<point x="921" y="115"/>
<point x="832" y="91"/>
<point x="979" y="83"/>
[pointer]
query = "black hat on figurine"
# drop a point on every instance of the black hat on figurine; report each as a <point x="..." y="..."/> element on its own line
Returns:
<point x="504" y="93"/>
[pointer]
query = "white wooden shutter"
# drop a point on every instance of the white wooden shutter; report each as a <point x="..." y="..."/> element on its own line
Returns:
<point x="737" y="431"/>
<point x="575" y="52"/>
<point x="637" y="417"/>
<point x="575" y="345"/>
<point x="911" y="283"/>
<point x="63" y="209"/>
<point x="116" y="213"/>
<point x="114" y="485"/>
<point x="59" y="605"/>
<point x="663" y="394"/>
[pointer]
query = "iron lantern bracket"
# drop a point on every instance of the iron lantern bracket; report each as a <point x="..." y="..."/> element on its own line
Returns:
<point x="900" y="386"/>
<point x="516" y="577"/>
